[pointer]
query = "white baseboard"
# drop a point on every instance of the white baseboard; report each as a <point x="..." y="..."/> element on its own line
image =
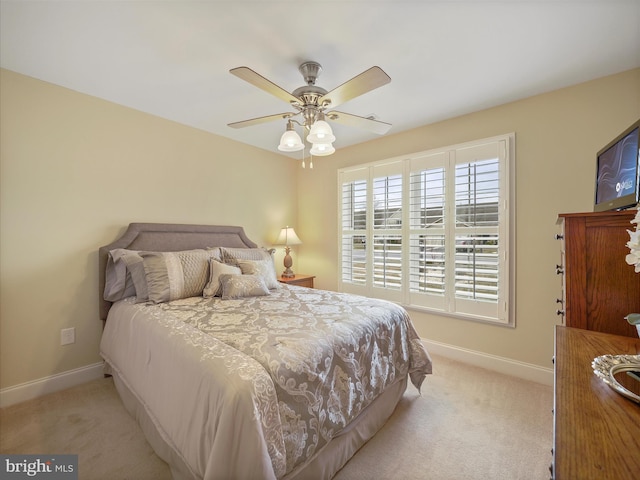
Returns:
<point x="71" y="378"/>
<point x="507" y="366"/>
<point x="53" y="383"/>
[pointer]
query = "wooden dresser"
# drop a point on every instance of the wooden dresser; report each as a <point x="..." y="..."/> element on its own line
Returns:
<point x="596" y="431"/>
<point x="599" y="287"/>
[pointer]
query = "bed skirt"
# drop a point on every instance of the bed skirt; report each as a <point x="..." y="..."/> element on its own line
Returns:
<point x="324" y="465"/>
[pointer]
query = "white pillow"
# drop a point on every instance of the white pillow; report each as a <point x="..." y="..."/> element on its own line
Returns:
<point x="213" y="287"/>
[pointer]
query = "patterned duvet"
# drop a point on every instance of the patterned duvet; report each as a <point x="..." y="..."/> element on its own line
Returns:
<point x="266" y="380"/>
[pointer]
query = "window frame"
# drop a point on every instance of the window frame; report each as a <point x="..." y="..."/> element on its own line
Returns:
<point x="502" y="311"/>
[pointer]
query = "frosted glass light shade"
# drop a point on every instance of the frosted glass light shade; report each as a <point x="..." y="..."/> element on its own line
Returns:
<point x="290" y="141"/>
<point x="321" y="133"/>
<point x="321" y="149"/>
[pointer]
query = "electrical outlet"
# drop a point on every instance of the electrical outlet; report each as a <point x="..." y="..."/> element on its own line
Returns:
<point x="67" y="336"/>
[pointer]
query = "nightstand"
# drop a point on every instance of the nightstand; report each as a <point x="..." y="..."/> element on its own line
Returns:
<point x="299" y="280"/>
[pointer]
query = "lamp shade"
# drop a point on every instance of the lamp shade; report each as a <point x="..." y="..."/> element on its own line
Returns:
<point x="321" y="133"/>
<point x="322" y="149"/>
<point x="288" y="237"/>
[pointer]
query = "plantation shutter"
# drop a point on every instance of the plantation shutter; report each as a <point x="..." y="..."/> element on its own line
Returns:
<point x="479" y="253"/>
<point x="387" y="232"/>
<point x="427" y="237"/>
<point x="354" y="229"/>
<point x="431" y="231"/>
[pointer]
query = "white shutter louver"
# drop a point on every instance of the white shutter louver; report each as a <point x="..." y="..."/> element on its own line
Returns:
<point x="387" y="222"/>
<point x="354" y="226"/>
<point x="427" y="240"/>
<point x="476" y="241"/>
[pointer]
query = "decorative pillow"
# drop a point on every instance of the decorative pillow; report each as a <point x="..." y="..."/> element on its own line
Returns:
<point x="119" y="283"/>
<point x="263" y="268"/>
<point x="232" y="255"/>
<point x="213" y="287"/>
<point x="175" y="275"/>
<point x="237" y="286"/>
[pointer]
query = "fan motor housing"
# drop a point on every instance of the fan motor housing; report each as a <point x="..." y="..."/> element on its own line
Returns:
<point x="309" y="94"/>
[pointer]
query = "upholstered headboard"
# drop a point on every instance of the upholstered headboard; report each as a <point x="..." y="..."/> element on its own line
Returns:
<point x="168" y="237"/>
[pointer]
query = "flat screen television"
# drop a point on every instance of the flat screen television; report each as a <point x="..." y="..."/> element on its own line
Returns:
<point x="618" y="172"/>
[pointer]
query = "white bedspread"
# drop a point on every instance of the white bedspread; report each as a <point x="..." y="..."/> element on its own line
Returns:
<point x="254" y="387"/>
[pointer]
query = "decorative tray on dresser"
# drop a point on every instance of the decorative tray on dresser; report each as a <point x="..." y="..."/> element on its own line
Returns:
<point x="596" y="431"/>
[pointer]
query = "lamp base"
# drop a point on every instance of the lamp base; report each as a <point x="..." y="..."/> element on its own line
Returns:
<point x="288" y="262"/>
<point x="288" y="273"/>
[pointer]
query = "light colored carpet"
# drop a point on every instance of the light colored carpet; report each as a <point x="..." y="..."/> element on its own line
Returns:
<point x="468" y="424"/>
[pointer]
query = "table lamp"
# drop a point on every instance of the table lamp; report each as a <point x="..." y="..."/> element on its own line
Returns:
<point x="288" y="237"/>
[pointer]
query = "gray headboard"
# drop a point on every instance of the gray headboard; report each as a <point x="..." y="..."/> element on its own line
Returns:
<point x="169" y="237"/>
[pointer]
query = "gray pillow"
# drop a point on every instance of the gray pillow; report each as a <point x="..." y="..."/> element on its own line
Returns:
<point x="119" y="282"/>
<point x="238" y="286"/>
<point x="174" y="275"/>
<point x="263" y="268"/>
<point x="140" y="281"/>
<point x="232" y="255"/>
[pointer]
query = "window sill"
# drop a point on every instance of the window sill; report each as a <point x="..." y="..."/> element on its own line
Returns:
<point x="457" y="316"/>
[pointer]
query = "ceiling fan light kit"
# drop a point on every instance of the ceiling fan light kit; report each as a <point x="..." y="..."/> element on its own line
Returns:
<point x="290" y="140"/>
<point x="322" y="149"/>
<point x="311" y="101"/>
<point x="321" y="131"/>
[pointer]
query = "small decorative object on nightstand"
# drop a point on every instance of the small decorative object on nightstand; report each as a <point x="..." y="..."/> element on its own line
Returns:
<point x="288" y="237"/>
<point x="300" y="280"/>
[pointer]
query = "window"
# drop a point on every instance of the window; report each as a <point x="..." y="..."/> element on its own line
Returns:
<point x="432" y="230"/>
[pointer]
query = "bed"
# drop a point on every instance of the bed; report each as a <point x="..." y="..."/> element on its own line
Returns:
<point x="231" y="374"/>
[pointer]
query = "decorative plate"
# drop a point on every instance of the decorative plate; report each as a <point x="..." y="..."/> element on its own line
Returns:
<point x="606" y="366"/>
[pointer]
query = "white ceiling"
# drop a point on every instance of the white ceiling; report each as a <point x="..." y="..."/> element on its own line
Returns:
<point x="445" y="58"/>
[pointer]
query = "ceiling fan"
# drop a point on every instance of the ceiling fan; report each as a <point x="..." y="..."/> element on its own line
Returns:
<point x="312" y="102"/>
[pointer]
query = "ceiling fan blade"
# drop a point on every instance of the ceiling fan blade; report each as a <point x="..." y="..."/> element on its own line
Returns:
<point x="376" y="126"/>
<point x="248" y="75"/>
<point x="358" y="85"/>
<point x="259" y="120"/>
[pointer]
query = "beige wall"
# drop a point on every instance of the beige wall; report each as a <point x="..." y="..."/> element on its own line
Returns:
<point x="557" y="136"/>
<point x="75" y="170"/>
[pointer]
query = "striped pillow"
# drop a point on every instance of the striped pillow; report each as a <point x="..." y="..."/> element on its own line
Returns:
<point x="175" y="275"/>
